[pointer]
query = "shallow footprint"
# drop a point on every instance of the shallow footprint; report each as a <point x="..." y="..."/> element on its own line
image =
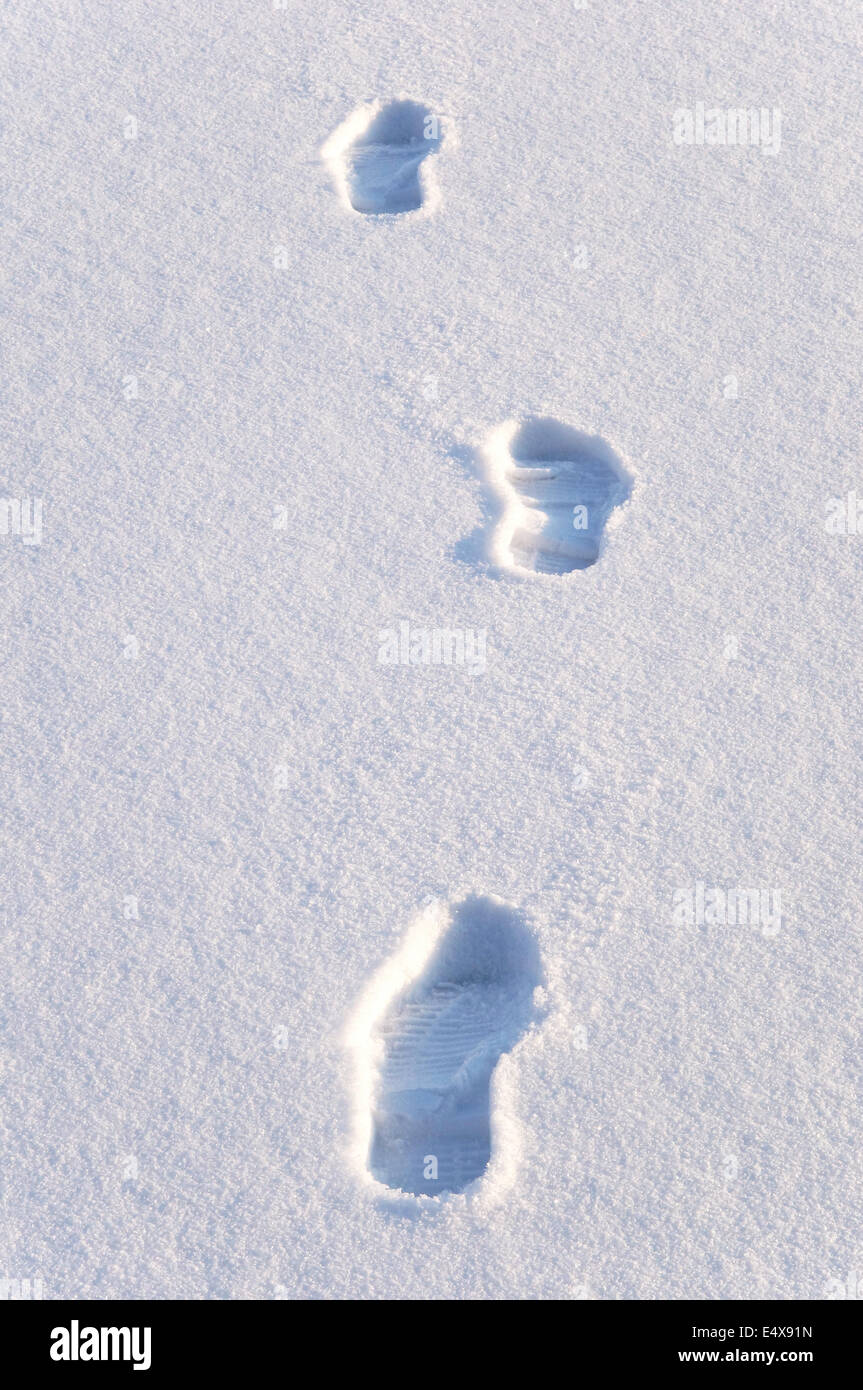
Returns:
<point x="378" y="161"/>
<point x="559" y="488"/>
<point x="441" y="1040"/>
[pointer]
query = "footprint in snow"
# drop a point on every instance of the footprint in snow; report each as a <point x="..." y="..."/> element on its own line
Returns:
<point x="375" y="156"/>
<point x="438" y="1043"/>
<point x="558" y="488"/>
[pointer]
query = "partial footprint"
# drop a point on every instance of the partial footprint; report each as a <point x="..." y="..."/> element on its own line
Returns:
<point x="558" y="488"/>
<point x="437" y="1042"/>
<point x="375" y="156"/>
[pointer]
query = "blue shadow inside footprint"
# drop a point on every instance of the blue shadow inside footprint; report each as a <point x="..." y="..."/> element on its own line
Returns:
<point x="571" y="484"/>
<point x="442" y="1038"/>
<point x="383" y="163"/>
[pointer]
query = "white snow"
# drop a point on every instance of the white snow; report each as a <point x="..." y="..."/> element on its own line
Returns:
<point x="257" y="420"/>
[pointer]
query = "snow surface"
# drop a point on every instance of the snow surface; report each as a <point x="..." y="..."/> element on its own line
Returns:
<point x="196" y="727"/>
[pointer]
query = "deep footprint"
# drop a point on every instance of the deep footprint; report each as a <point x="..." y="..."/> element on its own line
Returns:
<point x="442" y="1038"/>
<point x="560" y="488"/>
<point x="380" y="166"/>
